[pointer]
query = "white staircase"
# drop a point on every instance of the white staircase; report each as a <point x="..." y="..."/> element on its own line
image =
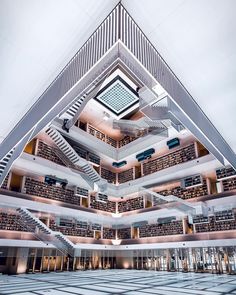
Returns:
<point x="75" y="159"/>
<point x="77" y="106"/>
<point x="4" y="164"/>
<point x="44" y="233"/>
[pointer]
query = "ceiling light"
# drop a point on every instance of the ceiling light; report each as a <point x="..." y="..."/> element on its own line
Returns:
<point x="116" y="242"/>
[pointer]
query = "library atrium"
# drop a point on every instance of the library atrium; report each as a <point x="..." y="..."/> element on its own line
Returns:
<point x="117" y="147"/>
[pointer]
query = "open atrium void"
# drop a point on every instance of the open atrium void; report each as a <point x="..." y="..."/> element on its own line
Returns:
<point x="117" y="147"/>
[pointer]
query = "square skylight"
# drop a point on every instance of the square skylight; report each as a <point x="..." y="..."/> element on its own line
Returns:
<point x="117" y="96"/>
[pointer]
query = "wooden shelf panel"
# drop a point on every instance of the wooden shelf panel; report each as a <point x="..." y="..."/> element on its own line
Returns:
<point x="131" y="204"/>
<point x="42" y="189"/>
<point x="182" y="155"/>
<point x="109" y="206"/>
<point x="154" y="230"/>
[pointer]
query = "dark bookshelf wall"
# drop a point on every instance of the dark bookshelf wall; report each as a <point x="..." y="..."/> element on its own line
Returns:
<point x="221" y="221"/>
<point x="187" y="193"/>
<point x="126" y="140"/>
<point x="72" y="230"/>
<point x="42" y="189"/>
<point x="108" y="175"/>
<point x="131" y="204"/>
<point x="9" y="221"/>
<point x="225" y="172"/>
<point x="45" y="151"/>
<point x="108" y="206"/>
<point x="229" y="184"/>
<point x="124" y="233"/>
<point x="179" y="156"/>
<point x="153" y="230"/>
<point x="109" y="233"/>
<point x="126" y="176"/>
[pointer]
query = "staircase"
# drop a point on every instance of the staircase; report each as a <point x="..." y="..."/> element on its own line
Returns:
<point x="78" y="105"/>
<point x="45" y="234"/>
<point x="75" y="159"/>
<point x="4" y="164"/>
<point x="134" y="127"/>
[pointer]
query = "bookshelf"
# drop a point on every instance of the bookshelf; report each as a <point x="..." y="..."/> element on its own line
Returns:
<point x="109" y="233"/>
<point x="72" y="228"/>
<point x="224" y="215"/>
<point x="126" y="176"/>
<point x="9" y="221"/>
<point x="45" y="151"/>
<point x="187" y="193"/>
<point x="191" y="181"/>
<point x="131" y="204"/>
<point x="124" y="233"/>
<point x="153" y="230"/>
<point x="108" y="175"/>
<point x="111" y="141"/>
<point x="221" y="221"/>
<point x="179" y="156"/>
<point x="42" y="189"/>
<point x="93" y="158"/>
<point x="229" y="184"/>
<point x="200" y="219"/>
<point x="225" y="172"/>
<point x="96" y="133"/>
<point x="109" y="206"/>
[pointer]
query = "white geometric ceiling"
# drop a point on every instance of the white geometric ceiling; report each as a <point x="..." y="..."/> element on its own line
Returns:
<point x="195" y="37"/>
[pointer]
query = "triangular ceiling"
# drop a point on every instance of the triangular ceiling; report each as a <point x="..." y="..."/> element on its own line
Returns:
<point x="178" y="6"/>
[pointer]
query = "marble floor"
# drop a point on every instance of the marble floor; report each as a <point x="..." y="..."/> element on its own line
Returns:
<point x="128" y="282"/>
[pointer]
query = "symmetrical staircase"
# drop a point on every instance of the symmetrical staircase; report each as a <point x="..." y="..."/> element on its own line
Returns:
<point x="75" y="159"/>
<point x="45" y="234"/>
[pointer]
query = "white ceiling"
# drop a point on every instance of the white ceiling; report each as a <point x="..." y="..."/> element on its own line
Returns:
<point x="37" y="39"/>
<point x="197" y="40"/>
<point x="195" y="37"/>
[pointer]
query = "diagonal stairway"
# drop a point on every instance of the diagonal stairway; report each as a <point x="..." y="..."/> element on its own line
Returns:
<point x="4" y="164"/>
<point x="44" y="233"/>
<point x="75" y="159"/>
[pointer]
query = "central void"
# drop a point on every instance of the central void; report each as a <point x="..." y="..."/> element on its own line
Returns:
<point x="129" y="282"/>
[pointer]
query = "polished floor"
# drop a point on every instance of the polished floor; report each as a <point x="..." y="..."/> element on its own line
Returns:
<point x="128" y="282"/>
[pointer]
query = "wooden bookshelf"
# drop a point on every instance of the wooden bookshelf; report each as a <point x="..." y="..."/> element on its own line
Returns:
<point x="124" y="233"/>
<point x="225" y="172"/>
<point x="187" y="193"/>
<point x="153" y="230"/>
<point x="109" y="233"/>
<point x="126" y="140"/>
<point x="9" y="221"/>
<point x="111" y="141"/>
<point x="179" y="156"/>
<point x="72" y="228"/>
<point x="131" y="204"/>
<point x="126" y="176"/>
<point x="229" y="184"/>
<point x="221" y="221"/>
<point x="109" y="206"/>
<point x="41" y="189"/>
<point x="45" y="151"/>
<point x="108" y="175"/>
